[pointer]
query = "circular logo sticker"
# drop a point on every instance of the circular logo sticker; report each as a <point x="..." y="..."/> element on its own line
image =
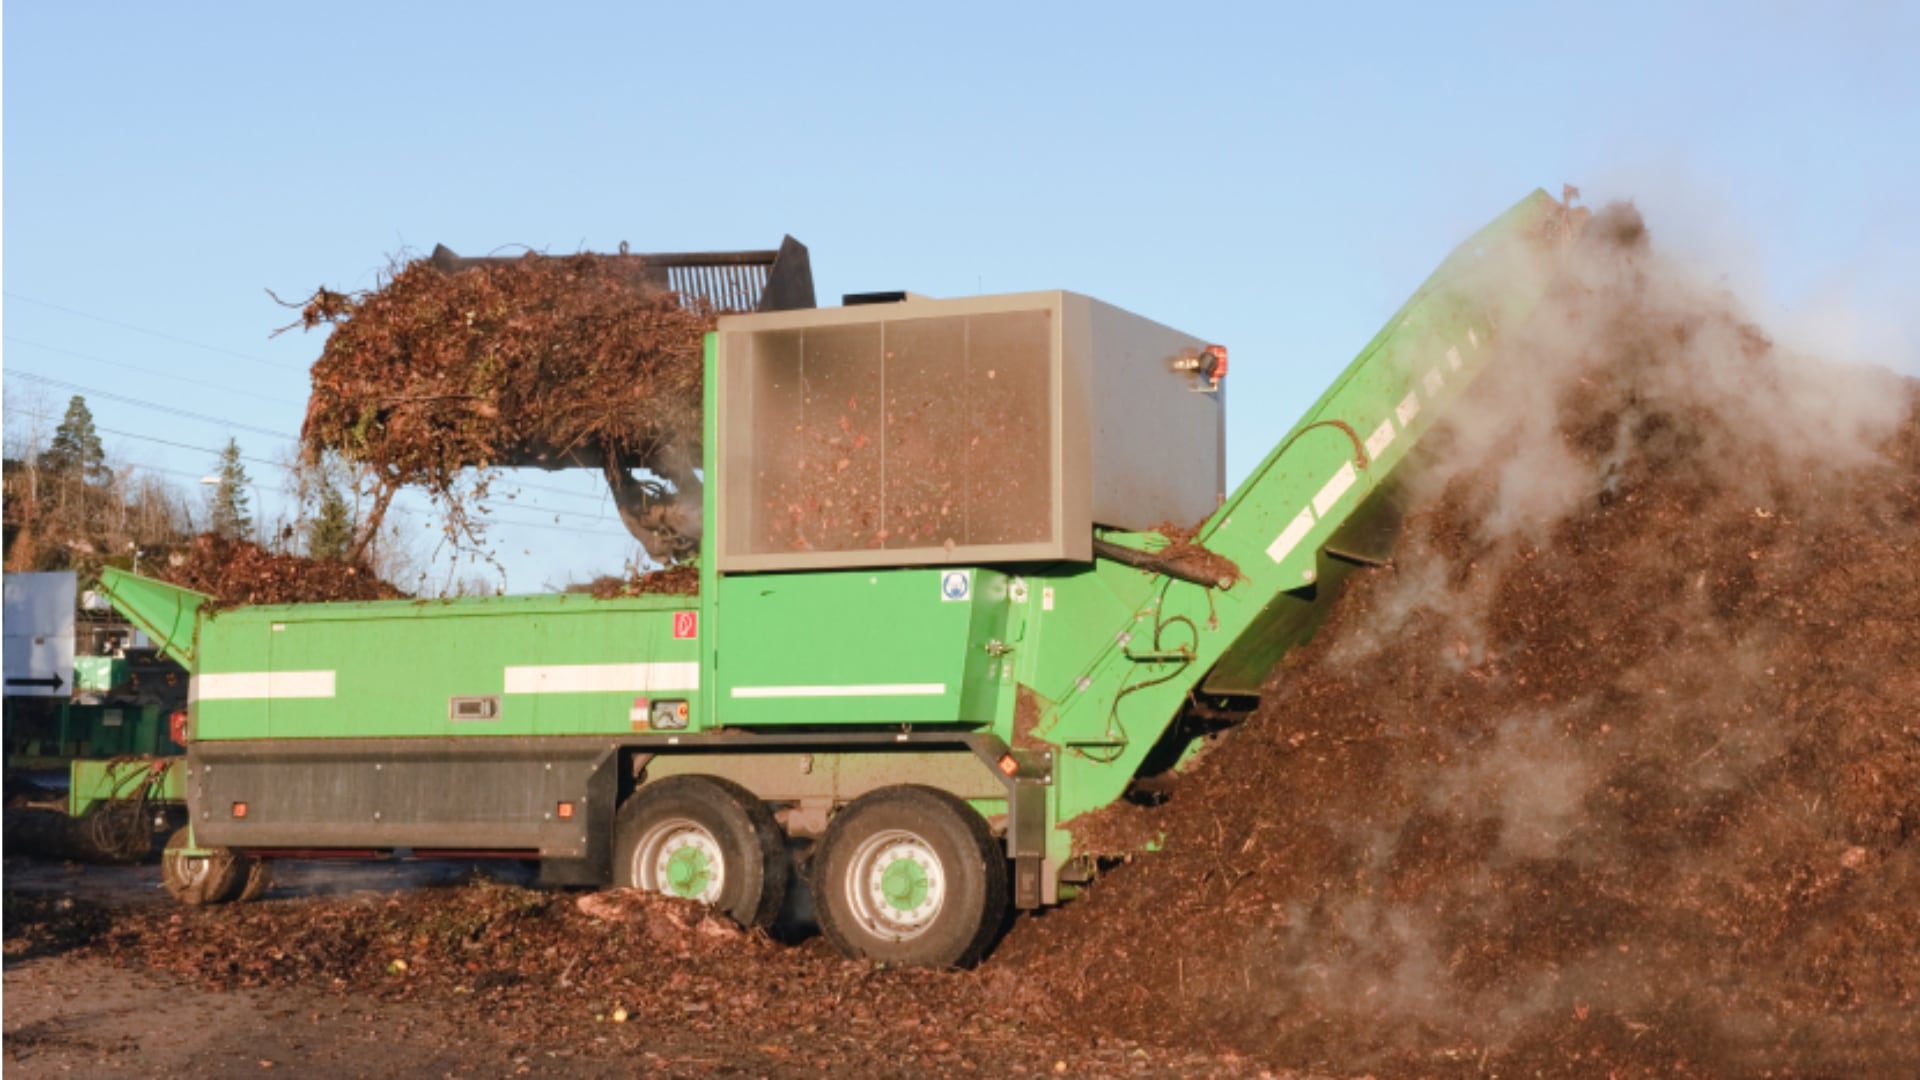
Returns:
<point x="956" y="584"/>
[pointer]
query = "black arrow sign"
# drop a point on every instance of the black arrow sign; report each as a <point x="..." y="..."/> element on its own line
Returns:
<point x="51" y="682"/>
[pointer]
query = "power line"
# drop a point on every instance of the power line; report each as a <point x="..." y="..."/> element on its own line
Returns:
<point x="165" y="442"/>
<point x="175" y="338"/>
<point x="248" y="428"/>
<point x="534" y="508"/>
<point x="149" y="371"/>
<point x="139" y="404"/>
<point x="189" y="446"/>
<point x="291" y="494"/>
<point x="557" y="491"/>
<point x="210" y="348"/>
<point x="238" y="425"/>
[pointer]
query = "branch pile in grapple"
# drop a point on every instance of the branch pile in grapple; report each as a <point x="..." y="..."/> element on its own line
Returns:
<point x="237" y="573"/>
<point x="537" y="361"/>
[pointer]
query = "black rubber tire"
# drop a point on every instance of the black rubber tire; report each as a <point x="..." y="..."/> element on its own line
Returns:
<point x="971" y="860"/>
<point x="753" y="849"/>
<point x="254" y="881"/>
<point x="215" y="878"/>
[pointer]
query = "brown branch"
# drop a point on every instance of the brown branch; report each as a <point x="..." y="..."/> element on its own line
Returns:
<point x="382" y="498"/>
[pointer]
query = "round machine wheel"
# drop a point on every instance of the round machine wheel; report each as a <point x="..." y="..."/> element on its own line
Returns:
<point x="705" y="839"/>
<point x="216" y="877"/>
<point x="256" y="880"/>
<point x="910" y="875"/>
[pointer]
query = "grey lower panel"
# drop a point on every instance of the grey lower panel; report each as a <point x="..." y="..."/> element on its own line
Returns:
<point x="1027" y="843"/>
<point x="838" y="777"/>
<point x="492" y="794"/>
<point x="502" y="793"/>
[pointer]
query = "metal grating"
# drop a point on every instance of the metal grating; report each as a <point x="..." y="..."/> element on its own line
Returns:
<point x="731" y="281"/>
<point x="735" y="288"/>
<point x="929" y="434"/>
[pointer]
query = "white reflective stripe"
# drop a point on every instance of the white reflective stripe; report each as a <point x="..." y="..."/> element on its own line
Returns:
<point x="603" y="678"/>
<point x="1381" y="438"/>
<point x="1330" y="493"/>
<point x="1290" y="537"/>
<point x="1453" y="358"/>
<point x="929" y="689"/>
<point x="1408" y="409"/>
<point x="242" y="685"/>
<point x="1433" y="381"/>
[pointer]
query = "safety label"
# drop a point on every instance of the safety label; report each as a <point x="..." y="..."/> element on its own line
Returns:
<point x="956" y="584"/>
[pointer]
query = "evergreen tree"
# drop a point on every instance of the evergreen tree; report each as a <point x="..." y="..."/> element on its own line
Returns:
<point x="330" y="534"/>
<point x="75" y="449"/>
<point x="228" y="511"/>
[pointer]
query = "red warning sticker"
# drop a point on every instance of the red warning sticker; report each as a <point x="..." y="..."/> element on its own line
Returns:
<point x="686" y="624"/>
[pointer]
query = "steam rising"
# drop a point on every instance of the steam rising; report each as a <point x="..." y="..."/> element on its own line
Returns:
<point x="1684" y="353"/>
<point x="1632" y="371"/>
<point x="1617" y="762"/>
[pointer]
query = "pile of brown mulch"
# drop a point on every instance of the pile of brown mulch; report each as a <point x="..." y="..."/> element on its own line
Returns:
<point x="239" y="572"/>
<point x="679" y="580"/>
<point x="1183" y="553"/>
<point x="618" y="974"/>
<point x="1615" y="773"/>
<point x="39" y="925"/>
<point x="547" y="361"/>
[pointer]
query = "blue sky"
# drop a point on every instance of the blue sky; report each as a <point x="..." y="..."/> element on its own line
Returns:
<point x="1275" y="177"/>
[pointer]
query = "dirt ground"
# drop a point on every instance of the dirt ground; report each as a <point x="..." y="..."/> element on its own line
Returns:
<point x="105" y="976"/>
<point x="68" y="1013"/>
<point x="80" y="1016"/>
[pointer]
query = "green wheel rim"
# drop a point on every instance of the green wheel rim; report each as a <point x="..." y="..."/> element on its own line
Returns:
<point x="688" y="872"/>
<point x="905" y="884"/>
<point x="679" y="857"/>
<point x="895" y="885"/>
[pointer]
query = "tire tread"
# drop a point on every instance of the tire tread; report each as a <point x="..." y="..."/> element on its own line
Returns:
<point x="932" y="803"/>
<point x="701" y="792"/>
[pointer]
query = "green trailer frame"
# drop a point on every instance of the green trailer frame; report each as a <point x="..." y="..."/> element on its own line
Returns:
<point x="1035" y="693"/>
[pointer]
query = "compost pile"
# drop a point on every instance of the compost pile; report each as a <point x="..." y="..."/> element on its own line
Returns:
<point x="1615" y="773"/>
<point x="537" y="361"/>
<point x="240" y="572"/>
<point x="681" y="580"/>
